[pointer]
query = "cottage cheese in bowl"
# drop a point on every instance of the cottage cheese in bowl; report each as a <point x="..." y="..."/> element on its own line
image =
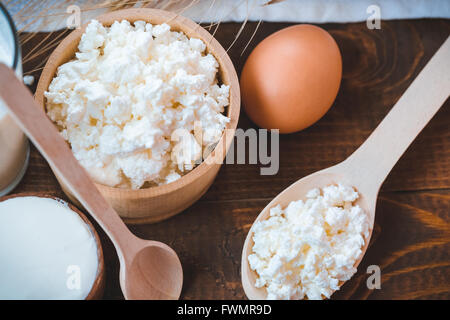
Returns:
<point x="139" y="104"/>
<point x="306" y="249"/>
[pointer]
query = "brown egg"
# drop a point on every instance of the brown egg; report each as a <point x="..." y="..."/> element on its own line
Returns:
<point x="291" y="78"/>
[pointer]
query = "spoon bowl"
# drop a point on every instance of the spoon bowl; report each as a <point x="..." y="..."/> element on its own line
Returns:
<point x="297" y="191"/>
<point x="158" y="270"/>
<point x="369" y="165"/>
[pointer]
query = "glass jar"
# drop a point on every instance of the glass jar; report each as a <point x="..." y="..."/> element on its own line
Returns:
<point x="14" y="146"/>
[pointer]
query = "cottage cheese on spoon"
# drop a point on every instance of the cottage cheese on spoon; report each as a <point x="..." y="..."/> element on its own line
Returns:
<point x="307" y="248"/>
<point x="123" y="100"/>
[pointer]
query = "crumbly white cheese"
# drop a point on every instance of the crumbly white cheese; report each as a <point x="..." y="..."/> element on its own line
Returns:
<point x="28" y="80"/>
<point x="123" y="100"/>
<point x="305" y="249"/>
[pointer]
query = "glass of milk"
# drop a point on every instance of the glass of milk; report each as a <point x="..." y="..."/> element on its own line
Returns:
<point x="14" y="147"/>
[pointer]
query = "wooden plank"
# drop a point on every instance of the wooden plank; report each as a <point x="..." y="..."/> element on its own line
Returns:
<point x="378" y="66"/>
<point x="411" y="241"/>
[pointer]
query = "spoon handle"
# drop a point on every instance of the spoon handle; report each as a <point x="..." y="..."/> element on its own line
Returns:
<point x="375" y="158"/>
<point x="42" y="132"/>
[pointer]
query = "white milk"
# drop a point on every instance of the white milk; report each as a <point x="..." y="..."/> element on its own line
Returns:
<point x="13" y="143"/>
<point x="46" y="251"/>
<point x="6" y="58"/>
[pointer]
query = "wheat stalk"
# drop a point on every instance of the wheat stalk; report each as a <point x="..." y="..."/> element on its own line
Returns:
<point x="53" y="9"/>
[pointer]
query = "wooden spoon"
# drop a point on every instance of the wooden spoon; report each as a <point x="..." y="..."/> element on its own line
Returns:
<point x="368" y="166"/>
<point x="148" y="269"/>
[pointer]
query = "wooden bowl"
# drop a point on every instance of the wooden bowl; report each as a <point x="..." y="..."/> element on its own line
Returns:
<point x="98" y="287"/>
<point x="157" y="203"/>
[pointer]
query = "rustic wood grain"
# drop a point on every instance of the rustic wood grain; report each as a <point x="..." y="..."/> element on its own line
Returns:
<point x="411" y="240"/>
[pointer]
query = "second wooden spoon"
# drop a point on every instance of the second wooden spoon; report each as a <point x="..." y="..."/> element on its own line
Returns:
<point x="148" y="269"/>
<point x="368" y="166"/>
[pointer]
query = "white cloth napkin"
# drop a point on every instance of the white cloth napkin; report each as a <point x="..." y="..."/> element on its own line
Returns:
<point x="317" y="11"/>
<point x="312" y="11"/>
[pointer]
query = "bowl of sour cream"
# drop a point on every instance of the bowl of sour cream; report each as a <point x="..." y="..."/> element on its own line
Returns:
<point x="49" y="250"/>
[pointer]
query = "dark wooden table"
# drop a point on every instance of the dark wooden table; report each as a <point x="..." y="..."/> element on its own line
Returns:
<point x="411" y="239"/>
